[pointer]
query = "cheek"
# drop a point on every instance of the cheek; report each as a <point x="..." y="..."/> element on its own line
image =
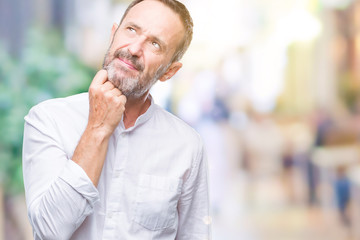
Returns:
<point x="121" y="41"/>
<point x="153" y="63"/>
<point x="112" y="49"/>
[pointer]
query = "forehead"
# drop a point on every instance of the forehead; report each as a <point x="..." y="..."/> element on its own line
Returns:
<point x="157" y="19"/>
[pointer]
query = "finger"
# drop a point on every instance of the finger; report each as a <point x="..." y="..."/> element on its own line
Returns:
<point x="100" y="77"/>
<point x="115" y="92"/>
<point x="123" y="98"/>
<point x="108" y="86"/>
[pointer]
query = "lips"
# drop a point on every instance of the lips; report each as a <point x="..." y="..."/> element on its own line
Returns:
<point x="128" y="64"/>
<point x="129" y="61"/>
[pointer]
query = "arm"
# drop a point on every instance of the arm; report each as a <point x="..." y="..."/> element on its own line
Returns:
<point x="107" y="106"/>
<point x="193" y="207"/>
<point x="60" y="193"/>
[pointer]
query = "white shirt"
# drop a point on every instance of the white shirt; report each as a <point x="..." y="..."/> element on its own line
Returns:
<point x="153" y="183"/>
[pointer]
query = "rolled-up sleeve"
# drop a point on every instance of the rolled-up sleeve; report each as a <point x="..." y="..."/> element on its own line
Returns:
<point x="193" y="207"/>
<point x="59" y="194"/>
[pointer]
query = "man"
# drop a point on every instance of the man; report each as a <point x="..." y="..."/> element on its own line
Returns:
<point x="110" y="164"/>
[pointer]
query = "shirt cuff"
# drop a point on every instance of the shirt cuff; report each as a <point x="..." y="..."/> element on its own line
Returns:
<point x="76" y="177"/>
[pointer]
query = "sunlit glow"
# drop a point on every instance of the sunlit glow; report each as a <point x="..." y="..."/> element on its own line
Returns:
<point x="298" y="25"/>
<point x="248" y="42"/>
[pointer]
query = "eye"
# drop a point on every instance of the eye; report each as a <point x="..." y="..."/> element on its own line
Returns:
<point x="131" y="29"/>
<point x="156" y="45"/>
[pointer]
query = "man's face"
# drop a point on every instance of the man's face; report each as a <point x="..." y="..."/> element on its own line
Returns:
<point x="142" y="48"/>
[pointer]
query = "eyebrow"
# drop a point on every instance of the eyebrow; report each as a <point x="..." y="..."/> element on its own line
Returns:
<point x="153" y="37"/>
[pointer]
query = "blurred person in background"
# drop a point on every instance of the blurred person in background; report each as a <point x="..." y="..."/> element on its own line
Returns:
<point x="342" y="188"/>
<point x="110" y="163"/>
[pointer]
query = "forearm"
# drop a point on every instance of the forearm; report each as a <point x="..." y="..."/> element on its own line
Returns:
<point x="59" y="211"/>
<point x="91" y="151"/>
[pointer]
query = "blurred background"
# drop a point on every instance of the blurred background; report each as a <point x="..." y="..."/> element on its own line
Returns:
<point x="273" y="87"/>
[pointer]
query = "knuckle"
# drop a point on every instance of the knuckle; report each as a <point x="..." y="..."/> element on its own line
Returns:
<point x="104" y="91"/>
<point x="123" y="99"/>
<point x="108" y="95"/>
<point x="93" y="89"/>
<point x="116" y="101"/>
<point x="120" y="102"/>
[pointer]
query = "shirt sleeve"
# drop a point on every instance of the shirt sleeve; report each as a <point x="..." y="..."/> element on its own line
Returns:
<point x="193" y="207"/>
<point x="59" y="194"/>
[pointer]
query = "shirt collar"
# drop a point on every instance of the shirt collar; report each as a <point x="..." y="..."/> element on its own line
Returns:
<point x="139" y="121"/>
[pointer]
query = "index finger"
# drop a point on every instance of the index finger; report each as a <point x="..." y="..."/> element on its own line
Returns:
<point x="100" y="77"/>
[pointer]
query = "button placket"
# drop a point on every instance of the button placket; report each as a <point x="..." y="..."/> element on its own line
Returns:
<point x="121" y="155"/>
<point x="121" y="150"/>
<point x="114" y="199"/>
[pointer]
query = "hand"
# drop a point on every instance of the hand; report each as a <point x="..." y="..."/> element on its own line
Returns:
<point x="107" y="104"/>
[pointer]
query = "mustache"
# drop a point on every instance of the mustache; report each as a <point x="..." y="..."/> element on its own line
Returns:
<point x="128" y="56"/>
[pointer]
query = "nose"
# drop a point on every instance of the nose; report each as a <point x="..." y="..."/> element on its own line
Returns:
<point x="136" y="47"/>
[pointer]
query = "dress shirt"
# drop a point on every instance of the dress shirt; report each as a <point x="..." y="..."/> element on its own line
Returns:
<point x="153" y="185"/>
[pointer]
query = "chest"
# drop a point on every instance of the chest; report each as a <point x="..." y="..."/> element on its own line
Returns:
<point x="142" y="180"/>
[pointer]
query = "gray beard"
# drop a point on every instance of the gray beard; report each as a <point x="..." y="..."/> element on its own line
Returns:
<point x="133" y="87"/>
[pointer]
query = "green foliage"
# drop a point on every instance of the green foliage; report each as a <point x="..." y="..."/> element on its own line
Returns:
<point x="45" y="70"/>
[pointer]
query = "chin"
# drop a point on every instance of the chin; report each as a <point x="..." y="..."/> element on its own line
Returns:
<point x="114" y="80"/>
<point x="115" y="77"/>
<point x="127" y="86"/>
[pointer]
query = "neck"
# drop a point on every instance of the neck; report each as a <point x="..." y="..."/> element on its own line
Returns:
<point x="135" y="107"/>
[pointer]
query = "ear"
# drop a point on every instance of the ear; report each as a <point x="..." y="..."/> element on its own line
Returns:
<point x="113" y="31"/>
<point x="174" y="67"/>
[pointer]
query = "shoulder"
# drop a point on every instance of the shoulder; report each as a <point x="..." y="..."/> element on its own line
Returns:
<point x="55" y="105"/>
<point x="177" y="127"/>
<point x="71" y="101"/>
<point x="60" y="109"/>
